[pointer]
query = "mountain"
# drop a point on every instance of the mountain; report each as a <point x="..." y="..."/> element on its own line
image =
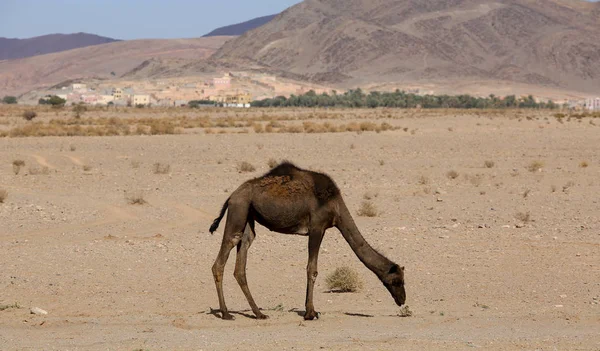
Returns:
<point x="106" y="61"/>
<point x="548" y="43"/>
<point x="240" y="28"/>
<point x="21" y="48"/>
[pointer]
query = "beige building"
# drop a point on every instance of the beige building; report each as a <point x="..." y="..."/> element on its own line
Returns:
<point x="141" y="99"/>
<point x="117" y="93"/>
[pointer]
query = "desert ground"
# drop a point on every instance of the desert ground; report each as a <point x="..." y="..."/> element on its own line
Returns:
<point x="494" y="214"/>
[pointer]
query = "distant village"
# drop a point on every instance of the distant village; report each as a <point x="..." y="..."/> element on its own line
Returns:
<point x="218" y="91"/>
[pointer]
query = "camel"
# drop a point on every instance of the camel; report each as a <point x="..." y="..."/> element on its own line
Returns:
<point x="291" y="200"/>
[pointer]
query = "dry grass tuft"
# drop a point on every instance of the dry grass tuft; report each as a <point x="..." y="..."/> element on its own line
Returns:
<point x="244" y="167"/>
<point x="523" y="217"/>
<point x="405" y="312"/>
<point x="535" y="166"/>
<point x="17" y="165"/>
<point x="423" y="180"/>
<point x="367" y="209"/>
<point x="161" y="168"/>
<point x="87" y="168"/>
<point x="583" y="164"/>
<point x="344" y="279"/>
<point x="135" y="198"/>
<point x="526" y="193"/>
<point x="489" y="164"/>
<point x="452" y="174"/>
<point x="3" y="195"/>
<point x="272" y="163"/>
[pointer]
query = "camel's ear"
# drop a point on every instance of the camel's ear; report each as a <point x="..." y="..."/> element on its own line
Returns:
<point x="402" y="269"/>
<point x="394" y="269"/>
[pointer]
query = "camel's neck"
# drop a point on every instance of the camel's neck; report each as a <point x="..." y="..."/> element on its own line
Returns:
<point x="375" y="261"/>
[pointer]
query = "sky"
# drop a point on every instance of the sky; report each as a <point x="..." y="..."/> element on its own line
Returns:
<point x="129" y="19"/>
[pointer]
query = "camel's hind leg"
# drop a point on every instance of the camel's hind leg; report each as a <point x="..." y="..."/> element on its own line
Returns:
<point x="240" y="266"/>
<point x="234" y="230"/>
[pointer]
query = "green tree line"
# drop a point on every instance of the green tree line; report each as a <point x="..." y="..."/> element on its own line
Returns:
<point x="356" y="98"/>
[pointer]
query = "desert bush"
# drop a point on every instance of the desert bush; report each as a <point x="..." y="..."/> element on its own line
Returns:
<point x="272" y="163"/>
<point x="258" y="128"/>
<point x="344" y="279"/>
<point x="367" y="209"/>
<point x="29" y="115"/>
<point x="423" y="180"/>
<point x="405" y="312"/>
<point x="583" y="164"/>
<point x="535" y="166"/>
<point x="246" y="167"/>
<point x="3" y="195"/>
<point x="489" y="164"/>
<point x="161" y="168"/>
<point x="87" y="168"/>
<point x="79" y="110"/>
<point x="135" y="198"/>
<point x="17" y="164"/>
<point x="452" y="174"/>
<point x="523" y="217"/>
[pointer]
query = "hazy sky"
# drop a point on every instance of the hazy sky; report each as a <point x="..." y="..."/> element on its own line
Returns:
<point x="129" y="19"/>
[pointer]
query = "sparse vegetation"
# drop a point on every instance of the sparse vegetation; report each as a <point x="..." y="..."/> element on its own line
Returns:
<point x="583" y="164"/>
<point x="87" y="168"/>
<point x="29" y="115"/>
<point x="39" y="171"/>
<point x="9" y="100"/>
<point x="423" y="180"/>
<point x="161" y="168"/>
<point x="524" y="217"/>
<point x="535" y="166"/>
<point x="17" y="165"/>
<point x="489" y="164"/>
<point x="344" y="279"/>
<point x="367" y="209"/>
<point x="405" y="312"/>
<point x="452" y="174"/>
<point x="272" y="163"/>
<point x="135" y="198"/>
<point x="6" y="307"/>
<point x="246" y="167"/>
<point x="3" y="195"/>
<point x="568" y="186"/>
<point x="526" y="193"/>
<point x="79" y="110"/>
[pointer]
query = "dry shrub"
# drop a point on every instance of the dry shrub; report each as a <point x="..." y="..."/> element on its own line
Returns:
<point x="423" y="180"/>
<point x="17" y="164"/>
<point x="258" y="128"/>
<point x="523" y="217"/>
<point x="87" y="168"/>
<point x="535" y="166"/>
<point x="367" y="209"/>
<point x="135" y="198"/>
<point x="344" y="279"/>
<point x="29" y="115"/>
<point x="39" y="171"/>
<point x="161" y="168"/>
<point x="381" y="162"/>
<point x="489" y="164"/>
<point x="3" y="195"/>
<point x="583" y="164"/>
<point x="568" y="186"/>
<point x="452" y="174"/>
<point x="246" y="167"/>
<point x="405" y="312"/>
<point x="272" y="163"/>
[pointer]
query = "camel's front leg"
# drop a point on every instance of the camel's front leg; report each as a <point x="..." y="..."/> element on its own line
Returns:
<point x="314" y="243"/>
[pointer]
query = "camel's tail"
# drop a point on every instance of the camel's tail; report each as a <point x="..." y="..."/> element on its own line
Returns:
<point x="217" y="220"/>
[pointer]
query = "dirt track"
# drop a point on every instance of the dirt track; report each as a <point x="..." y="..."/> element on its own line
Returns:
<point x="115" y="276"/>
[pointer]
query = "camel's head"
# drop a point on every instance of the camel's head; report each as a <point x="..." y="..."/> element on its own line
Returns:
<point x="394" y="282"/>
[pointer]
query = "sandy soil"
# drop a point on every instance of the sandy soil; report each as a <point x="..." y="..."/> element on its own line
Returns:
<point x="115" y="276"/>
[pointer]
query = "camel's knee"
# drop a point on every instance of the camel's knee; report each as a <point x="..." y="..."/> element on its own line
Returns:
<point x="312" y="274"/>
<point x="240" y="276"/>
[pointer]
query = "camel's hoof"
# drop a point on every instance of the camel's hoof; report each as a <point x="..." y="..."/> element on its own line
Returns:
<point x="262" y="316"/>
<point x="309" y="316"/>
<point x="228" y="317"/>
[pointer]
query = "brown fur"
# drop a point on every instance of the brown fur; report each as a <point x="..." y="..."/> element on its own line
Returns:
<point x="292" y="200"/>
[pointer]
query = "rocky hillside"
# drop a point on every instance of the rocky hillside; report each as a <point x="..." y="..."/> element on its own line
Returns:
<point x="551" y="43"/>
